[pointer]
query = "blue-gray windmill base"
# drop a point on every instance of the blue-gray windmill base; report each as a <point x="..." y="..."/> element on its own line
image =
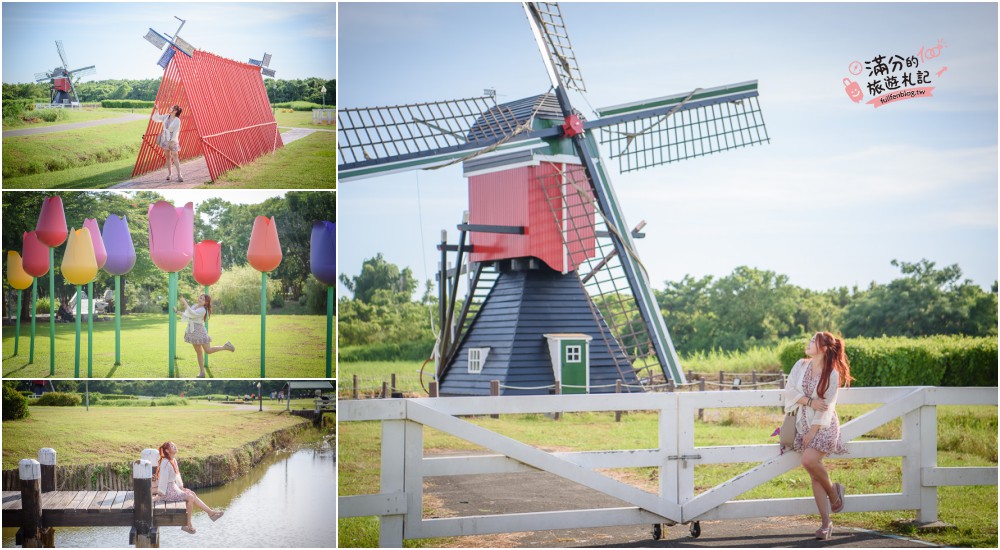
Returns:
<point x="521" y="308"/>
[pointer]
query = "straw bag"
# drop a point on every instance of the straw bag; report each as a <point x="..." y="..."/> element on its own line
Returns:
<point x="787" y="435"/>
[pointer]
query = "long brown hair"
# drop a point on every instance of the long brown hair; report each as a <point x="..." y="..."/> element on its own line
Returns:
<point x="163" y="455"/>
<point x="208" y="306"/>
<point x="834" y="357"/>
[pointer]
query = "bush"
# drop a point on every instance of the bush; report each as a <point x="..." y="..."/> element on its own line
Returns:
<point x="929" y="361"/>
<point x="238" y="291"/>
<point x="118" y="397"/>
<point x="41" y="306"/>
<point x="314" y="297"/>
<point x="50" y="115"/>
<point x="169" y="401"/>
<point x="405" y="351"/>
<point x="127" y="104"/>
<point x="297" y="105"/>
<point x="59" y="399"/>
<point x="15" y="405"/>
<point x="15" y="107"/>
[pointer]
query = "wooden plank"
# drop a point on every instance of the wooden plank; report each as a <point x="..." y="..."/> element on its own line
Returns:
<point x="390" y="533"/>
<point x="11" y="500"/>
<point x="119" y="499"/>
<point x="98" y="501"/>
<point x="355" y="506"/>
<point x="75" y="503"/>
<point x="80" y="518"/>
<point x="58" y="499"/>
<point x="960" y="476"/>
<point x="129" y="501"/>
<point x="413" y="477"/>
<point x="759" y="453"/>
<point x="538" y="521"/>
<point x="88" y="499"/>
<point x="372" y="409"/>
<point x="961" y="396"/>
<point x="743" y="509"/>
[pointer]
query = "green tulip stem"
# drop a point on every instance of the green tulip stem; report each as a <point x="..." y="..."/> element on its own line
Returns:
<point x="329" y="332"/>
<point x="52" y="312"/>
<point x="263" y="319"/>
<point x="90" y="329"/>
<point x="17" y="323"/>
<point x="118" y="320"/>
<point x="171" y="340"/>
<point x="76" y="367"/>
<point x="34" y="302"/>
<point x="206" y="331"/>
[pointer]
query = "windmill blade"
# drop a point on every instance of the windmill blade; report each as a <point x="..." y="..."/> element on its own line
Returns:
<point x="550" y="32"/>
<point x="379" y="140"/>
<point x="668" y="129"/>
<point x="62" y="53"/>
<point x="85" y="71"/>
<point x="39" y="77"/>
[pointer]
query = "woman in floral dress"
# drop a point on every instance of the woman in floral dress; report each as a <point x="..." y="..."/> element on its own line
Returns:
<point x="812" y="387"/>
<point x="171" y="487"/>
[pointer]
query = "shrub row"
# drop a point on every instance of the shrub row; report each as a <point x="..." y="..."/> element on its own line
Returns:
<point x="126" y="104"/>
<point x="15" y="405"/>
<point x="58" y="399"/>
<point x="930" y="361"/>
<point x="297" y="105"/>
<point x="405" y="351"/>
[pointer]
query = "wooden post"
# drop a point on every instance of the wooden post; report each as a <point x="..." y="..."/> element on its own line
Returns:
<point x="494" y="392"/>
<point x="690" y="375"/>
<point x="143" y="534"/>
<point x="432" y="389"/>
<point x="701" y="387"/>
<point x="671" y="385"/>
<point x="781" y="382"/>
<point x="753" y="378"/>
<point x="618" y="389"/>
<point x="392" y="386"/>
<point x="354" y="388"/>
<point x="153" y="456"/>
<point x="32" y="532"/>
<point x="47" y="459"/>
<point x="558" y="415"/>
<point x="722" y="380"/>
<point x="385" y="390"/>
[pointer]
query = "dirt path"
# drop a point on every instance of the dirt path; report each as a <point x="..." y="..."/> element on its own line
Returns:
<point x="74" y="125"/>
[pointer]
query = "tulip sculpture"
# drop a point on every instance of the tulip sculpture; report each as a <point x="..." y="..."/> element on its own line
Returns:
<point x="120" y="259"/>
<point x="207" y="267"/>
<point x="323" y="264"/>
<point x="35" y="261"/>
<point x="20" y="280"/>
<point x="51" y="231"/>
<point x="79" y="267"/>
<point x="101" y="256"/>
<point x="171" y="246"/>
<point x="264" y="255"/>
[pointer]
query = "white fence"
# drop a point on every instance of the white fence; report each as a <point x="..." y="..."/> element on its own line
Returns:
<point x="324" y="116"/>
<point x="404" y="466"/>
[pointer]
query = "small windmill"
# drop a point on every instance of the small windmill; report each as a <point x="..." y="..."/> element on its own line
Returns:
<point x="556" y="291"/>
<point x="63" y="88"/>
<point x="263" y="63"/>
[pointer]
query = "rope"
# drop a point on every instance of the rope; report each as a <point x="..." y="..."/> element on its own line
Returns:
<point x="551" y="386"/>
<point x="630" y="136"/>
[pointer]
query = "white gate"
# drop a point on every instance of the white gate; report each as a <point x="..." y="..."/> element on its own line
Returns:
<point x="404" y="466"/>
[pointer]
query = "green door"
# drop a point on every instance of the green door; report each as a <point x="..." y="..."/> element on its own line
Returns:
<point x="574" y="366"/>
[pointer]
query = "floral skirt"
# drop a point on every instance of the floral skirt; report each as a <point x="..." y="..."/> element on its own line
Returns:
<point x="196" y="334"/>
<point x="174" y="494"/>
<point x="827" y="440"/>
<point x="172" y="146"/>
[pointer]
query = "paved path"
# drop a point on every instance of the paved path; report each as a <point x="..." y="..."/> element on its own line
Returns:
<point x="195" y="170"/>
<point x="535" y="492"/>
<point x="74" y="125"/>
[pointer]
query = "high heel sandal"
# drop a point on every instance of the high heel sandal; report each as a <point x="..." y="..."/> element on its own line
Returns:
<point x="187" y="529"/>
<point x="825" y="533"/>
<point x="217" y="515"/>
<point x="840" y="494"/>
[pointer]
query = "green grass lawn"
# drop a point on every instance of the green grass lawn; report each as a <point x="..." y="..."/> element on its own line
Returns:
<point x="967" y="437"/>
<point x="372" y="374"/>
<point x="106" y="434"/>
<point x="95" y="176"/>
<point x="309" y="163"/>
<point x="37" y="154"/>
<point x="70" y="116"/>
<point x="296" y="348"/>
<point x="299" y="119"/>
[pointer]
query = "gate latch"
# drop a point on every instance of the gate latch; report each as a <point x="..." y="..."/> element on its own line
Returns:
<point x="683" y="458"/>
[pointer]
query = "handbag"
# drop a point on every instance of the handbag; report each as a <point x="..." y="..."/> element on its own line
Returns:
<point x="787" y="435"/>
<point x="163" y="140"/>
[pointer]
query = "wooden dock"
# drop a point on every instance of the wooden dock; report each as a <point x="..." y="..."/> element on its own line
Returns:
<point x="91" y="509"/>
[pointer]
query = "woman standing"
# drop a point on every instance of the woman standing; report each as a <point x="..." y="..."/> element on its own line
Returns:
<point x="170" y="138"/>
<point x="812" y="387"/>
<point x="196" y="335"/>
<point x="171" y="486"/>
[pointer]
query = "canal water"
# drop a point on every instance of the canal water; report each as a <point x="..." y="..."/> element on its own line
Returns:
<point x="288" y="500"/>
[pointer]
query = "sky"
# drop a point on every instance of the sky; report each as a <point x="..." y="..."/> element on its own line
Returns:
<point x="302" y="37"/>
<point x="841" y="190"/>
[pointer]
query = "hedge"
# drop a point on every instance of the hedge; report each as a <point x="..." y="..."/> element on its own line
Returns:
<point x="15" y="405"/>
<point x="298" y="106"/>
<point x="58" y="399"/>
<point x="928" y="361"/>
<point x="406" y="351"/>
<point x="126" y="104"/>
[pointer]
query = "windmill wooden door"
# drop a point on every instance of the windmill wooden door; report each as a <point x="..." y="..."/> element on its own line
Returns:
<point x="574" y="375"/>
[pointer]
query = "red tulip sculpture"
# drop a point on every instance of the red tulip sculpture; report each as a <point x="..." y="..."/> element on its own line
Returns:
<point x="207" y="267"/>
<point x="264" y="255"/>
<point x="171" y="247"/>
<point x="35" y="260"/>
<point x="51" y="230"/>
<point x="20" y="280"/>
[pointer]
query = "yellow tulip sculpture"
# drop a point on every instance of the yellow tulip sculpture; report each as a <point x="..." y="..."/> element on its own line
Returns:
<point x="79" y="267"/>
<point x="20" y="280"/>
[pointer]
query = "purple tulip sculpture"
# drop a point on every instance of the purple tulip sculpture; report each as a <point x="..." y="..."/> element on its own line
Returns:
<point x="323" y="264"/>
<point x="120" y="260"/>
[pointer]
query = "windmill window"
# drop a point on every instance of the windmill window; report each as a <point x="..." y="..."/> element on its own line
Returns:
<point x="573" y="354"/>
<point x="477" y="358"/>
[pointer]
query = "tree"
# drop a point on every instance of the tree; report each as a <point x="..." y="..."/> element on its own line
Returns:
<point x="378" y="274"/>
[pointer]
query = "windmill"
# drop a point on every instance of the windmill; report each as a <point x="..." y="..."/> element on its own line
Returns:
<point x="263" y="63"/>
<point x="556" y="291"/>
<point x="63" y="88"/>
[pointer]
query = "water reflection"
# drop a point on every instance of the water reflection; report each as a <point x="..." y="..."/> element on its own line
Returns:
<point x="289" y="500"/>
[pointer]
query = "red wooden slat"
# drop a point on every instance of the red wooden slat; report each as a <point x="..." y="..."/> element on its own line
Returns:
<point x="227" y="117"/>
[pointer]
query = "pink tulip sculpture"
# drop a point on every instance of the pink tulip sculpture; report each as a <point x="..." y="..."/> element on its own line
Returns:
<point x="20" y="280"/>
<point x="51" y="230"/>
<point x="121" y="257"/>
<point x="207" y="267"/>
<point x="35" y="260"/>
<point x="101" y="256"/>
<point x="323" y="264"/>
<point x="264" y="255"/>
<point x="171" y="246"/>
<point x="79" y="267"/>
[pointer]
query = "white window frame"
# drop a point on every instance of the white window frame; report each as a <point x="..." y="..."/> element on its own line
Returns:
<point x="574" y="350"/>
<point x="477" y="357"/>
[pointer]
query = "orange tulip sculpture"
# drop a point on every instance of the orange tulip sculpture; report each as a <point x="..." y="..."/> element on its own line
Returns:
<point x="79" y="267"/>
<point x="264" y="255"/>
<point x="35" y="261"/>
<point x="20" y="280"/>
<point x="51" y="230"/>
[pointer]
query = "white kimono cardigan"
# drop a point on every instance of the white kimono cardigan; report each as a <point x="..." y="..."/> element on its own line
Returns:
<point x="793" y="392"/>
